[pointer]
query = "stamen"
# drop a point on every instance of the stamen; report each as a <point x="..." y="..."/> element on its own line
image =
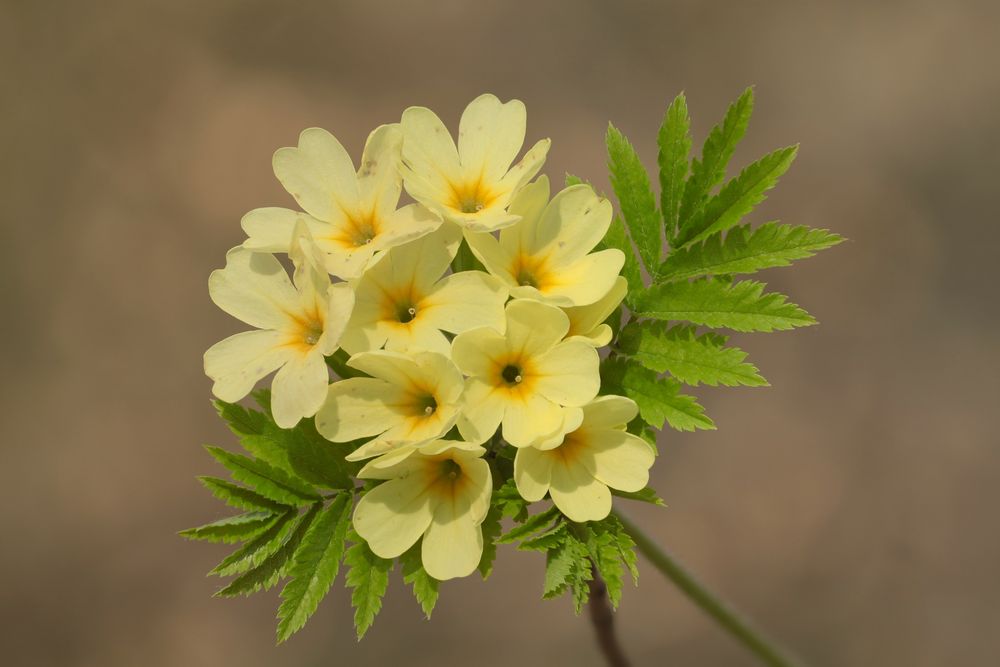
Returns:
<point x="412" y="311"/>
<point x="429" y="410"/>
<point x="512" y="375"/>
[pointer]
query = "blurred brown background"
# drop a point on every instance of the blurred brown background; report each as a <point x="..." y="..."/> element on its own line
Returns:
<point x="850" y="508"/>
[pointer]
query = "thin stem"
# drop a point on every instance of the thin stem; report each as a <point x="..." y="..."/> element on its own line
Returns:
<point x="602" y="618"/>
<point x="766" y="650"/>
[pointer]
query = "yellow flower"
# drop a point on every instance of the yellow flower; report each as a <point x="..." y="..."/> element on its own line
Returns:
<point x="298" y="324"/>
<point x="525" y="377"/>
<point x="587" y="322"/>
<point x="545" y="255"/>
<point x="352" y="215"/>
<point x="440" y="490"/>
<point x="405" y="304"/>
<point x="470" y="185"/>
<point x="598" y="454"/>
<point x="409" y="398"/>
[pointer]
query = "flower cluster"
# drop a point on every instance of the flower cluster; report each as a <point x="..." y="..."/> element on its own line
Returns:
<point x="452" y="367"/>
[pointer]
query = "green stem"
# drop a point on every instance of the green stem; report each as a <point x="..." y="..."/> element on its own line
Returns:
<point x="766" y="650"/>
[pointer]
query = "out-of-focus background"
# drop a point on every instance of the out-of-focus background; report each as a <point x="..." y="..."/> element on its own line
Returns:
<point x="850" y="508"/>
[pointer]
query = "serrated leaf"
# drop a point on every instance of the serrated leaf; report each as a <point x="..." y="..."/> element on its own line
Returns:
<point x="604" y="553"/>
<point x="491" y="528"/>
<point x="626" y="546"/>
<point x="740" y="195"/>
<point x="254" y="552"/>
<point x="659" y="399"/>
<point x="231" y="529"/>
<point x="315" y="566"/>
<point x="738" y="306"/>
<point x="635" y="198"/>
<point x="317" y="460"/>
<point x="550" y="539"/>
<point x="368" y="576"/>
<point x="746" y="250"/>
<point x="709" y="171"/>
<point x="674" y="141"/>
<point x="531" y="525"/>
<point x="241" y="420"/>
<point x="690" y="358"/>
<point x="572" y="180"/>
<point x="240" y="497"/>
<point x="425" y="587"/>
<point x="267" y="573"/>
<point x="510" y="502"/>
<point x="646" y="495"/>
<point x="562" y="566"/>
<point x="266" y="479"/>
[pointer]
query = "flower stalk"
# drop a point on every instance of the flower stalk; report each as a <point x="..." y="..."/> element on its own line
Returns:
<point x="766" y="650"/>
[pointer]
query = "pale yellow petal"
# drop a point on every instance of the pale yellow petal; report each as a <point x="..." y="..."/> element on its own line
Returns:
<point x="598" y="337"/>
<point x="587" y="280"/>
<point x="477" y="481"/>
<point x="529" y="419"/>
<point x="569" y="373"/>
<point x="529" y="203"/>
<point x="490" y="136"/>
<point x="238" y="362"/>
<point x="392" y="516"/>
<point x="359" y="408"/>
<point x="299" y="388"/>
<point x="609" y="412"/>
<point x="339" y="305"/>
<point x="404" y="225"/>
<point x="453" y="544"/>
<point x="418" y="335"/>
<point x="533" y="327"/>
<point x="309" y="277"/>
<point x="319" y="174"/>
<point x="584" y="320"/>
<point x="489" y="220"/>
<point x="572" y="418"/>
<point x="532" y="473"/>
<point x="429" y="153"/>
<point x="477" y="352"/>
<point x="379" y="178"/>
<point x="270" y="229"/>
<point x="254" y="288"/>
<point x="572" y="224"/>
<point x="402" y="461"/>
<point x="488" y="251"/>
<point x="527" y="168"/>
<point x="577" y="494"/>
<point x="465" y="300"/>
<point x="484" y="409"/>
<point x="621" y="460"/>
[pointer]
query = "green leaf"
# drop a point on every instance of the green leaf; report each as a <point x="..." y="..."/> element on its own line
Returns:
<point x="572" y="180"/>
<point x="709" y="171"/>
<point x="273" y="567"/>
<point x="317" y="460"/>
<point x="690" y="358"/>
<point x="659" y="399"/>
<point x="368" y="576"/>
<point x="491" y="531"/>
<point x="646" y="495"/>
<point x="532" y="524"/>
<point x="266" y="479"/>
<point x="315" y="566"/>
<point x="550" y="539"/>
<point x="605" y="555"/>
<point x="242" y="421"/>
<point x="240" y="497"/>
<point x="617" y="237"/>
<point x="465" y="260"/>
<point x="741" y="194"/>
<point x="560" y="564"/>
<point x="635" y="197"/>
<point x="231" y="529"/>
<point x="510" y="502"/>
<point x="738" y="306"/>
<point x="254" y="552"/>
<point x="425" y="587"/>
<point x="746" y="250"/>
<point x="674" y="141"/>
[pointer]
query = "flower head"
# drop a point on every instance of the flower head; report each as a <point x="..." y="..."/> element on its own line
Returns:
<point x="471" y="184"/>
<point x="352" y="215"/>
<point x="298" y="323"/>
<point x="409" y="398"/>
<point x="545" y="255"/>
<point x="404" y="303"/>
<point x="440" y="490"/>
<point x="524" y="377"/>
<point x="597" y="454"/>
